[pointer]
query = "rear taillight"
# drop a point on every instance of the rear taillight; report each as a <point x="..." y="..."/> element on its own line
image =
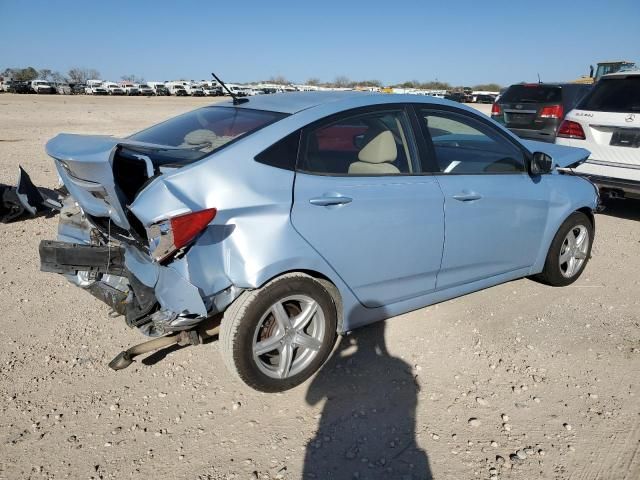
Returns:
<point x="552" y="111"/>
<point x="569" y="129"/>
<point x="168" y="236"/>
<point x="495" y="109"/>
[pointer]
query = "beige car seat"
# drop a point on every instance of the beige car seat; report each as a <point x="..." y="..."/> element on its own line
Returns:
<point x="376" y="156"/>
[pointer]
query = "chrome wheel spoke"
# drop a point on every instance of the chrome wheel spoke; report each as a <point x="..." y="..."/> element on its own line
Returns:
<point x="281" y="316"/>
<point x="581" y="239"/>
<point x="307" y="341"/>
<point x="580" y="255"/>
<point x="268" y="345"/>
<point x="571" y="266"/>
<point x="564" y="257"/>
<point x="301" y="321"/>
<point x="286" y="359"/>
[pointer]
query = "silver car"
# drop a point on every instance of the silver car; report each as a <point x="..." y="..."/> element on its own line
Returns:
<point x="293" y="218"/>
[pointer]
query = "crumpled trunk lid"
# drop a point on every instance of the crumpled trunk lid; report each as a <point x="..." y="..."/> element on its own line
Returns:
<point x="84" y="162"/>
<point x="105" y="174"/>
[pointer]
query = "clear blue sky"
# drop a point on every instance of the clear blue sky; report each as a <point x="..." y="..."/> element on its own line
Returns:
<point x="456" y="40"/>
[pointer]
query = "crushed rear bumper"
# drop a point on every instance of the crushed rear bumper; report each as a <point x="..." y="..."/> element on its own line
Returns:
<point x="156" y="299"/>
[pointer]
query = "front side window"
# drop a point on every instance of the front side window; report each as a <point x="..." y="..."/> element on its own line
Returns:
<point x="207" y="129"/>
<point x="463" y="145"/>
<point x="375" y="143"/>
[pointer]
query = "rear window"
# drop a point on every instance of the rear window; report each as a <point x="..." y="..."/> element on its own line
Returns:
<point x="207" y="129"/>
<point x="532" y="94"/>
<point x="614" y="95"/>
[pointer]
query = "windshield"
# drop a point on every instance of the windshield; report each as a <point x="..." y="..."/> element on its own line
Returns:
<point x="614" y="95"/>
<point x="532" y="94"/>
<point x="207" y="129"/>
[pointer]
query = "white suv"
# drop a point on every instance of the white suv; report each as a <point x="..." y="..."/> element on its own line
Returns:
<point x="607" y="123"/>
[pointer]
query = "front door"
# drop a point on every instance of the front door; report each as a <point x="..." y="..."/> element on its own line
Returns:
<point x="495" y="213"/>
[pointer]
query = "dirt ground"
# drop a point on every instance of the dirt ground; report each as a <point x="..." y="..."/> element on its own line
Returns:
<point x="452" y="391"/>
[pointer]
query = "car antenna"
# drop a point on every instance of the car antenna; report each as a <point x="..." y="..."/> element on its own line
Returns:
<point x="539" y="81"/>
<point x="236" y="100"/>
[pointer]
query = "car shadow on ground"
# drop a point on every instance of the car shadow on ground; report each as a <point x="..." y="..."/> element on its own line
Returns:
<point x="628" y="209"/>
<point x="367" y="428"/>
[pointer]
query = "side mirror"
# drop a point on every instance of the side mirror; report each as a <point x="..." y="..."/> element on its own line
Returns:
<point x="540" y="163"/>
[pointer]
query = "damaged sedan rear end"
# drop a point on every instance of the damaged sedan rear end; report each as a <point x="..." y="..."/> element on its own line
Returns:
<point x="135" y="229"/>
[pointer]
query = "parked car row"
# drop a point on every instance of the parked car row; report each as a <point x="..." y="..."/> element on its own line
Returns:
<point x="603" y="118"/>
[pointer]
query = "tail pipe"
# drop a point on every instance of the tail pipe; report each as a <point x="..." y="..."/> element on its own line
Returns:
<point x="187" y="337"/>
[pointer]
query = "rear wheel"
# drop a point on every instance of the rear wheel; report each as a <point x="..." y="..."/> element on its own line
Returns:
<point x="569" y="252"/>
<point x="276" y="337"/>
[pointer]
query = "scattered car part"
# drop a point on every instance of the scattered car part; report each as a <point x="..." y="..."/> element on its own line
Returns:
<point x="24" y="199"/>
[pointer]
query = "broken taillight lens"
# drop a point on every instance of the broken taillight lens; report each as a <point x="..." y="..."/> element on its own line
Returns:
<point x="168" y="236"/>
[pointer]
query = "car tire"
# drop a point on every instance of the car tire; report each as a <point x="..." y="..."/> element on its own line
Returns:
<point x="260" y="341"/>
<point x="569" y="252"/>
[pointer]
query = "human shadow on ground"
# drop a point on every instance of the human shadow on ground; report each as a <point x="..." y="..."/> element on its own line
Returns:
<point x="367" y="428"/>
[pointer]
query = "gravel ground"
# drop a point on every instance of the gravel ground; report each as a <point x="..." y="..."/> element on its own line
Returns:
<point x="520" y="381"/>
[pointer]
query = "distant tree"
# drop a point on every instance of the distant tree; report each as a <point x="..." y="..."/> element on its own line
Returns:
<point x="279" y="80"/>
<point x="342" y="81"/>
<point x="132" y="79"/>
<point x="25" y="74"/>
<point x="57" y="77"/>
<point x="93" y="73"/>
<point x="489" y="87"/>
<point x="81" y="75"/>
<point x="7" y="73"/>
<point x="408" y="84"/>
<point x="368" y="83"/>
<point x="435" y="85"/>
<point x="45" y="74"/>
<point x="313" y="81"/>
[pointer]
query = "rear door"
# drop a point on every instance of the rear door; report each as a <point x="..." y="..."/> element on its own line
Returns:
<point x="362" y="204"/>
<point x="495" y="213"/>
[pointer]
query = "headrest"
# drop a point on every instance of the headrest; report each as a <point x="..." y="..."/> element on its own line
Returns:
<point x="382" y="148"/>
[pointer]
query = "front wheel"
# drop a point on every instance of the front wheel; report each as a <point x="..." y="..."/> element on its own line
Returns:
<point x="276" y="337"/>
<point x="569" y="252"/>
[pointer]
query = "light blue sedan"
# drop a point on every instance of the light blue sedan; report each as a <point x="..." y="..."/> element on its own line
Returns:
<point x="296" y="217"/>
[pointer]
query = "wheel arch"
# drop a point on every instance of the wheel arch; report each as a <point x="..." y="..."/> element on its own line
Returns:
<point x="552" y="229"/>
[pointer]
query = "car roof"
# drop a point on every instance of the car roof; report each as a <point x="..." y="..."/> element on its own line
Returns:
<point x="294" y="102"/>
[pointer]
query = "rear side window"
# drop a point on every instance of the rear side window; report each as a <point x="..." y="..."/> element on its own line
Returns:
<point x="282" y="154"/>
<point x="614" y="95"/>
<point x="207" y="129"/>
<point x="532" y="94"/>
<point x="374" y="143"/>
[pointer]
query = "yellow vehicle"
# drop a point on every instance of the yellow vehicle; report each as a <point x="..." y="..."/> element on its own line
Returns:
<point x="603" y="69"/>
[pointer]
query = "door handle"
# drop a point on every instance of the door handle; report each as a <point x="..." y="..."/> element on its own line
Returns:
<point x="467" y="196"/>
<point x="330" y="200"/>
